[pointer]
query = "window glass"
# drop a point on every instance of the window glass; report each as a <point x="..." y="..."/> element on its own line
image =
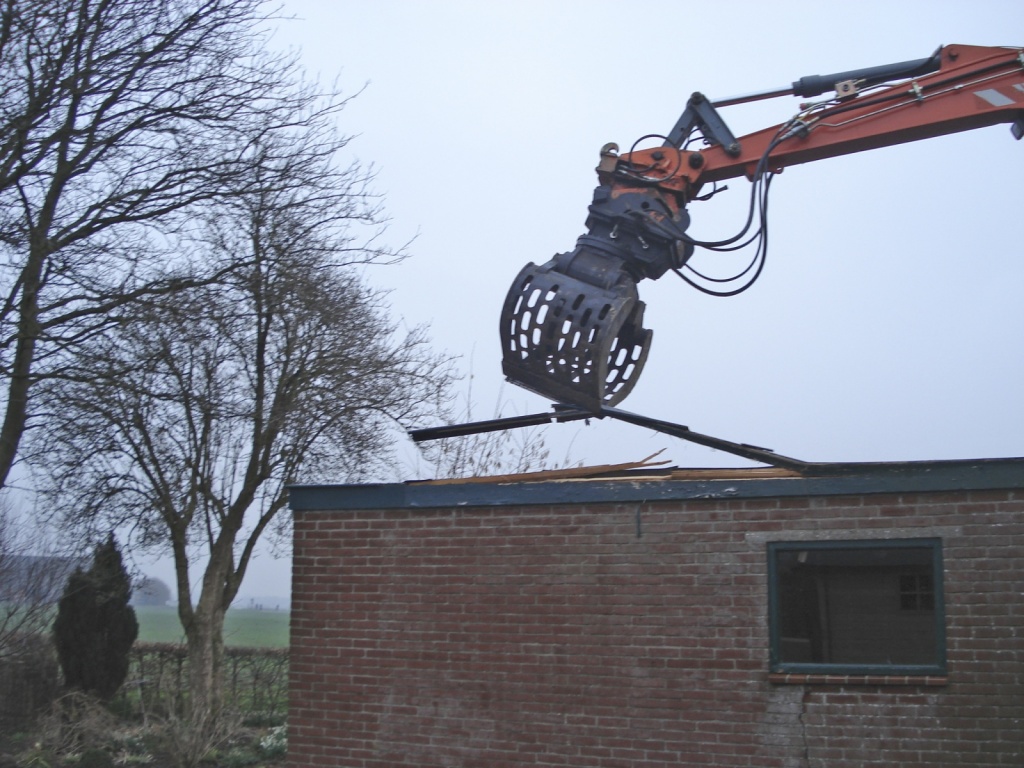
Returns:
<point x="862" y="606"/>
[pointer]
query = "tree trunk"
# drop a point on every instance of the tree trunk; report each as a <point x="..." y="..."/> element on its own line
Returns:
<point x="205" y="640"/>
<point x="204" y="635"/>
<point x="16" y="414"/>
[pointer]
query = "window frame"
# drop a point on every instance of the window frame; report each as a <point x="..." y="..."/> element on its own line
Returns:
<point x="776" y="665"/>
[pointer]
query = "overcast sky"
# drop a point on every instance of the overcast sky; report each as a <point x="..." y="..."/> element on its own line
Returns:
<point x="887" y="324"/>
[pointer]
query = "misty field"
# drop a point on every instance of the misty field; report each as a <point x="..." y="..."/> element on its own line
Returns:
<point x="243" y="627"/>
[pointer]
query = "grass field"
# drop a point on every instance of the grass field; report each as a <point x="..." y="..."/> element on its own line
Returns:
<point x="242" y="627"/>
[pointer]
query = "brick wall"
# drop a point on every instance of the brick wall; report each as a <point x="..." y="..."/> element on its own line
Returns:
<point x="635" y="634"/>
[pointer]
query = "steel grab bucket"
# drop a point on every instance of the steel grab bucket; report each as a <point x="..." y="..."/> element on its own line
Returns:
<point x="571" y="341"/>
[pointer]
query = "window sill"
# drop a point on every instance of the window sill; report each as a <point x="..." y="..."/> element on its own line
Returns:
<point x="789" y="678"/>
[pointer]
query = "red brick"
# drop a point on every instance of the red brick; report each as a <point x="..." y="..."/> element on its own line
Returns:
<point x="529" y="636"/>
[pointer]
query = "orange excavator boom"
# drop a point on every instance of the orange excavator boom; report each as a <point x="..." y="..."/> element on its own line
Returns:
<point x="572" y="328"/>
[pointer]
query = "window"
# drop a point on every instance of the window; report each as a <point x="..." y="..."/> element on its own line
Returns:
<point x="857" y="607"/>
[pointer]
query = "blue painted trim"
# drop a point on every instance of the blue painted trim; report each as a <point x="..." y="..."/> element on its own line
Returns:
<point x="931" y="544"/>
<point x="837" y="480"/>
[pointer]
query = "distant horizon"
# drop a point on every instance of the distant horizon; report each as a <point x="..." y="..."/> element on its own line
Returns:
<point x="263" y="602"/>
<point x="244" y="599"/>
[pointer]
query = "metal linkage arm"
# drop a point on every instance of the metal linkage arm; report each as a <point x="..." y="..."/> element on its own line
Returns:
<point x="815" y="85"/>
<point x="973" y="87"/>
<point x="568" y="413"/>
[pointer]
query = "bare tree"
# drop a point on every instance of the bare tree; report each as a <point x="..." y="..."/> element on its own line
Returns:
<point x="32" y="576"/>
<point x="199" y="409"/>
<point x="116" y="118"/>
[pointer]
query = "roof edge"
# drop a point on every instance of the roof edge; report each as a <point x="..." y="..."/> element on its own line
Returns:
<point x="826" y="480"/>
